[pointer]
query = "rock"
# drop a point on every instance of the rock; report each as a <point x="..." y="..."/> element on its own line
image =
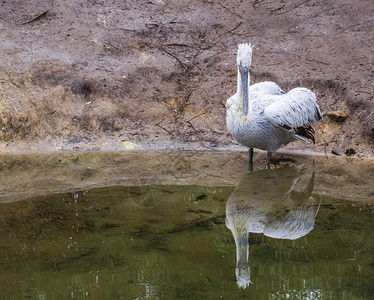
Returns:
<point x="337" y="116"/>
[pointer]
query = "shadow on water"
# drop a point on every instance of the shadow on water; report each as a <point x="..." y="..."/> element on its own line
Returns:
<point x="289" y="236"/>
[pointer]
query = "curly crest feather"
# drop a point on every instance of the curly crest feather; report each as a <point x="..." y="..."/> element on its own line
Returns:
<point x="244" y="56"/>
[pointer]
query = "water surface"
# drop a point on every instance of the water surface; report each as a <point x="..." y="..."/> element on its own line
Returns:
<point x="275" y="234"/>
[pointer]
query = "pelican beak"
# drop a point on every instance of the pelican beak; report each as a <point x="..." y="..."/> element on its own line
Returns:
<point x="244" y="75"/>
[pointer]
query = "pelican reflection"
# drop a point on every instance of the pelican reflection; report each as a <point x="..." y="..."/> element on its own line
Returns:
<point x="268" y="202"/>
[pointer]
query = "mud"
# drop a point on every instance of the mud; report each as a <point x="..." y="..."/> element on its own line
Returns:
<point x="89" y="75"/>
<point x="27" y="175"/>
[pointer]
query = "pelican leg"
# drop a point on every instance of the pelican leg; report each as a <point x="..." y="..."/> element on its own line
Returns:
<point x="250" y="165"/>
<point x="268" y="159"/>
<point x="250" y="151"/>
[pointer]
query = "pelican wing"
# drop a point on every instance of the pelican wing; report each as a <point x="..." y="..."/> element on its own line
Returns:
<point x="266" y="87"/>
<point x="295" y="110"/>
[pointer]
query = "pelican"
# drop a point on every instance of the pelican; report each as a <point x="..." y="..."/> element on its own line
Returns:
<point x="263" y="116"/>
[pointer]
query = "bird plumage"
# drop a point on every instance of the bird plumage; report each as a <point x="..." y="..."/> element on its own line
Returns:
<point x="263" y="116"/>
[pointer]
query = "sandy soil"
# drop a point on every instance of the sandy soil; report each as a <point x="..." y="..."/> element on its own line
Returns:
<point x="35" y="174"/>
<point x="92" y="74"/>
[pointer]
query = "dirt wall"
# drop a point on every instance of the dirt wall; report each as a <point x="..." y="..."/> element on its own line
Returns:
<point x="92" y="74"/>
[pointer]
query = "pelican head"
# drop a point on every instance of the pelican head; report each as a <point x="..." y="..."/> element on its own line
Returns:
<point x="244" y="60"/>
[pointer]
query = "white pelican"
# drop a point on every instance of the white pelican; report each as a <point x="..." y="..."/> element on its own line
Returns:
<point x="263" y="116"/>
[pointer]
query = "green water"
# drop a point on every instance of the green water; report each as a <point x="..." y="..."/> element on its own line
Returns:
<point x="170" y="242"/>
